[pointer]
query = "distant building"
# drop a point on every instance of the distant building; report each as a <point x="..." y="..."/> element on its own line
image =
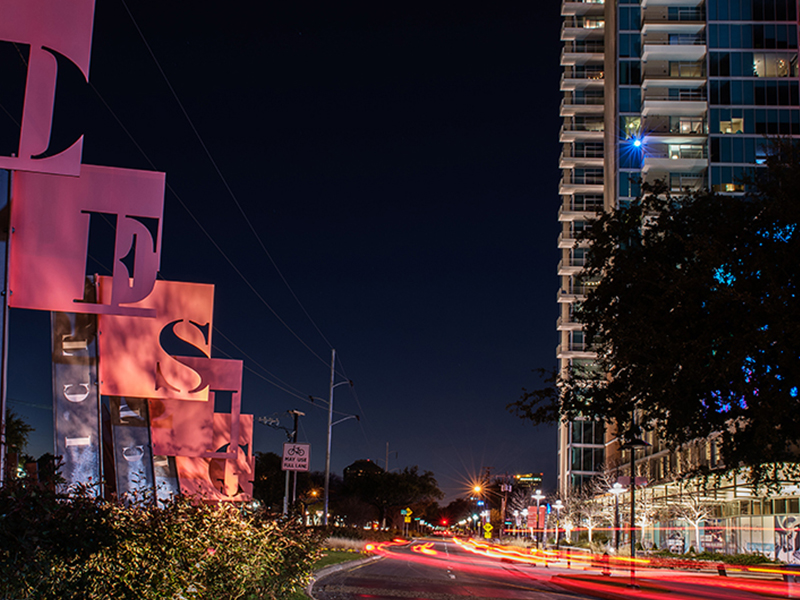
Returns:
<point x="361" y="468"/>
<point x="531" y="481"/>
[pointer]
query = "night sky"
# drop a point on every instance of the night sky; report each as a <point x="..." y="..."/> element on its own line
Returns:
<point x="399" y="163"/>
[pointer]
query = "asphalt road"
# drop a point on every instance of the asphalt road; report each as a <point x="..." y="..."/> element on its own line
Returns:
<point x="439" y="570"/>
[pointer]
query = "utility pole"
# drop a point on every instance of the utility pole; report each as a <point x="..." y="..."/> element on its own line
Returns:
<point x="328" y="451"/>
<point x="297" y="414"/>
<point x="505" y="487"/>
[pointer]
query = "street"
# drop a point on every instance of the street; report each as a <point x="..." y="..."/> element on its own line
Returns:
<point x="439" y="570"/>
<point x="449" y="569"/>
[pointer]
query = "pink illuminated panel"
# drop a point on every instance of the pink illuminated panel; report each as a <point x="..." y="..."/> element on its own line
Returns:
<point x="217" y="479"/>
<point x="181" y="428"/>
<point x="50" y="28"/>
<point x="134" y="363"/>
<point x="51" y="221"/>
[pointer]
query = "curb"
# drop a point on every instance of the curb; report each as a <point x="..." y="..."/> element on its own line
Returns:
<point x="331" y="569"/>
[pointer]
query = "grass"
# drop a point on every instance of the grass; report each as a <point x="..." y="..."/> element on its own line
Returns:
<point x="329" y="557"/>
<point x="334" y="557"/>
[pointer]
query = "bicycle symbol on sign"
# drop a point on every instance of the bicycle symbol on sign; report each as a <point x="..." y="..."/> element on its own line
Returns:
<point x="296" y="451"/>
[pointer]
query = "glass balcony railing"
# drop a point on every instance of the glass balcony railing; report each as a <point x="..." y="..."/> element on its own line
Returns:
<point x="584" y="23"/>
<point x="580" y="46"/>
<point x="584" y="100"/>
<point x="691" y="95"/>
<point x="592" y="75"/>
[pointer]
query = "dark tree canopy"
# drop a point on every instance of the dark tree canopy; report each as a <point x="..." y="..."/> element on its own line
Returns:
<point x="695" y="319"/>
<point x="394" y="490"/>
<point x="17" y="431"/>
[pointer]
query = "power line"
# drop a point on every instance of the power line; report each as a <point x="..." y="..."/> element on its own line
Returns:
<point x="219" y="172"/>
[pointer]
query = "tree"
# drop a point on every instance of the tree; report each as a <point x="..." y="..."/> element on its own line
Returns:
<point x="693" y="509"/>
<point x="268" y="484"/>
<point x="393" y="490"/>
<point x="17" y="432"/>
<point x="694" y="318"/>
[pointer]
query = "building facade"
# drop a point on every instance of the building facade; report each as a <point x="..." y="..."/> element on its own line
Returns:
<point x="683" y="91"/>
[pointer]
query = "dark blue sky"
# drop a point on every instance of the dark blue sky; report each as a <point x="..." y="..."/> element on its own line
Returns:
<point x="398" y="162"/>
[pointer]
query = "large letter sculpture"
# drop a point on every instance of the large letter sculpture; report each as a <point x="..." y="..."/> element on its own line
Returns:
<point x="135" y="361"/>
<point x="76" y="400"/>
<point x="153" y="338"/>
<point x="212" y="451"/>
<point x="49" y="30"/>
<point x="50" y="222"/>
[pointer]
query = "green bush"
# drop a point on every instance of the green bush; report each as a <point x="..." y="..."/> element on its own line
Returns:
<point x="81" y="547"/>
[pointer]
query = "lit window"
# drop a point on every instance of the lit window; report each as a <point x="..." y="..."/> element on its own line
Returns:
<point x="732" y="126"/>
<point x="631" y="127"/>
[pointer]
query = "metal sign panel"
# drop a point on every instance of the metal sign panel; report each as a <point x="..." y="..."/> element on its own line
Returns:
<point x="217" y="479"/>
<point x="133" y="456"/>
<point x="296" y="457"/>
<point x="51" y="223"/>
<point x="165" y="473"/>
<point x="181" y="428"/>
<point x="135" y="362"/>
<point x="76" y="408"/>
<point x="51" y="30"/>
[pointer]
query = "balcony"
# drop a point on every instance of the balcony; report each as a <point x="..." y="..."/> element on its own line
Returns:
<point x="667" y="74"/>
<point x="571" y="210"/>
<point x="578" y="79"/>
<point x="570" y="267"/>
<point x="584" y="105"/>
<point x="581" y="7"/>
<point x="687" y="3"/>
<point x="568" y="161"/>
<point x="568" y="186"/>
<point x="569" y="239"/>
<point x="580" y="52"/>
<point x="580" y="28"/>
<point x="674" y="19"/>
<point x="563" y="324"/>
<point x="592" y="131"/>
<point x="674" y="102"/>
<point x="675" y="130"/>
<point x="571" y="296"/>
<point x="570" y="351"/>
<point x="674" y="47"/>
<point x="684" y="158"/>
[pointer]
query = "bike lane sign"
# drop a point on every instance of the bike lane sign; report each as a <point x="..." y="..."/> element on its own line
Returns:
<point x="296" y="457"/>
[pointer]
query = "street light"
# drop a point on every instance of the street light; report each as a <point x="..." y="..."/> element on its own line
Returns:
<point x="330" y="428"/>
<point x="616" y="489"/>
<point x="538" y="496"/>
<point x="632" y="444"/>
<point x="558" y="506"/>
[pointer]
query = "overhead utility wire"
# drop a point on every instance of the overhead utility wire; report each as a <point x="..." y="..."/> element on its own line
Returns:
<point x="248" y="357"/>
<point x="208" y="235"/>
<point x="307" y="399"/>
<point x="221" y="176"/>
<point x="225" y="256"/>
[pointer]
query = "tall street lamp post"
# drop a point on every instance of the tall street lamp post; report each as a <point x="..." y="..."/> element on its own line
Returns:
<point x="616" y="489"/>
<point x="632" y="444"/>
<point x="558" y="506"/>
<point x="538" y="496"/>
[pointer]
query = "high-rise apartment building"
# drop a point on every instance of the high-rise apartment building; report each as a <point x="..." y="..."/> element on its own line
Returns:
<point x="679" y="90"/>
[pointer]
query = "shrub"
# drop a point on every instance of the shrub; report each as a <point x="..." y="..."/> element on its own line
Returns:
<point x="52" y="546"/>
